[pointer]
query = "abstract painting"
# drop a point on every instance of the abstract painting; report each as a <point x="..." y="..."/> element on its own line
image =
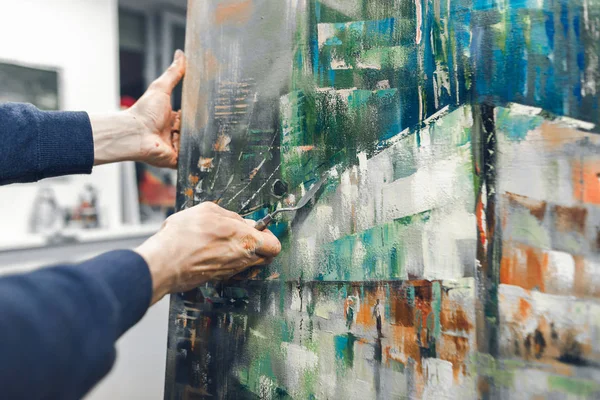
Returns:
<point x="453" y="250"/>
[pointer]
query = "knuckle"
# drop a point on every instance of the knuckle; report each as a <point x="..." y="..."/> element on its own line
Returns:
<point x="155" y="85"/>
<point x="208" y="205"/>
<point x="223" y="229"/>
<point x="172" y="218"/>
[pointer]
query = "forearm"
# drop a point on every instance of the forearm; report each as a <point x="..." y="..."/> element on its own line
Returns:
<point x="117" y="137"/>
<point x="38" y="144"/>
<point x="58" y="326"/>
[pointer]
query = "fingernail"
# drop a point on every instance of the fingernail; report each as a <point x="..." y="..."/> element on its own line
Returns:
<point x="178" y="55"/>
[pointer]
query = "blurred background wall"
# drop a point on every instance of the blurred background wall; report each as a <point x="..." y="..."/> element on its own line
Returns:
<point x="103" y="54"/>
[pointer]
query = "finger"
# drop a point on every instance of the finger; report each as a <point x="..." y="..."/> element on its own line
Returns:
<point x="251" y="260"/>
<point x="213" y="207"/>
<point x="172" y="163"/>
<point x="227" y="213"/>
<point x="252" y="223"/>
<point x="174" y="138"/>
<point x="252" y="271"/>
<point x="176" y="121"/>
<point x="262" y="243"/>
<point x="211" y="270"/>
<point x="262" y="261"/>
<point x="231" y="270"/>
<point x="172" y="76"/>
<point x="268" y="245"/>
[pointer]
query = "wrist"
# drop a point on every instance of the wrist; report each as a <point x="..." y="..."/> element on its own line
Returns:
<point x="117" y="137"/>
<point x="158" y="264"/>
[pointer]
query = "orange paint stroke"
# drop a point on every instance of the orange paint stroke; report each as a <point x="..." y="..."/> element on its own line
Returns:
<point x="211" y="65"/>
<point x="193" y="179"/>
<point x="524" y="310"/>
<point x="273" y="276"/>
<point x="221" y="145"/>
<point x="523" y="266"/>
<point x="305" y="148"/>
<point x="205" y="164"/>
<point x="586" y="181"/>
<point x="455" y="319"/>
<point x="365" y="316"/>
<point x="455" y="349"/>
<point x="238" y="12"/>
<point x="584" y="282"/>
<point x="419" y="21"/>
<point x="481" y="221"/>
<point x="556" y="136"/>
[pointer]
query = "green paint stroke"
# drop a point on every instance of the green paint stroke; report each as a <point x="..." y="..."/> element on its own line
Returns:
<point x="573" y="386"/>
<point x="487" y="366"/>
<point x="328" y="128"/>
<point x="265" y="353"/>
<point x="436" y="306"/>
<point x="395" y="57"/>
<point x="526" y="228"/>
<point x="344" y="349"/>
<point x="309" y="383"/>
<point x="349" y="41"/>
<point x="396" y="365"/>
<point x="377" y="253"/>
<point x="504" y="372"/>
<point x="251" y="377"/>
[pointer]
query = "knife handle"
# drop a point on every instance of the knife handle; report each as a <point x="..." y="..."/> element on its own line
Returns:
<point x="262" y="224"/>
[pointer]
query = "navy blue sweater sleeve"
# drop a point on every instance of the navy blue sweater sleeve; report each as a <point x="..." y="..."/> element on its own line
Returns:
<point x="40" y="144"/>
<point x="58" y="325"/>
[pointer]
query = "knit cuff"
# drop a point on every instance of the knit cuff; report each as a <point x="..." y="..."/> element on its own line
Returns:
<point x="65" y="144"/>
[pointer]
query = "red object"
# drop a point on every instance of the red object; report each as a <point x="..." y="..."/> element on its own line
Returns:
<point x="154" y="192"/>
<point x="127" y="101"/>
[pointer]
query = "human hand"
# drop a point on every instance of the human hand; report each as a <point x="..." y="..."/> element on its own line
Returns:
<point x="203" y="243"/>
<point x="148" y="131"/>
<point x="160" y="125"/>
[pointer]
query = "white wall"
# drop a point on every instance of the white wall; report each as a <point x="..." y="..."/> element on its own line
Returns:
<point x="79" y="37"/>
<point x="153" y="4"/>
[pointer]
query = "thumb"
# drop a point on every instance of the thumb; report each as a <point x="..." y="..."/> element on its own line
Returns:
<point x="172" y="76"/>
<point x="268" y="244"/>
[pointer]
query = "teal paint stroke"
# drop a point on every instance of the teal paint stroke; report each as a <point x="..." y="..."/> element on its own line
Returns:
<point x="380" y="245"/>
<point x="516" y="126"/>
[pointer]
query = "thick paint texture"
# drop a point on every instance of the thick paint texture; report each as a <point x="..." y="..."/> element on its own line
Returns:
<point x="453" y="249"/>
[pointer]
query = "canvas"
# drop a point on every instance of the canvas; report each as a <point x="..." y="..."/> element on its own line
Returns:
<point x="453" y="250"/>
